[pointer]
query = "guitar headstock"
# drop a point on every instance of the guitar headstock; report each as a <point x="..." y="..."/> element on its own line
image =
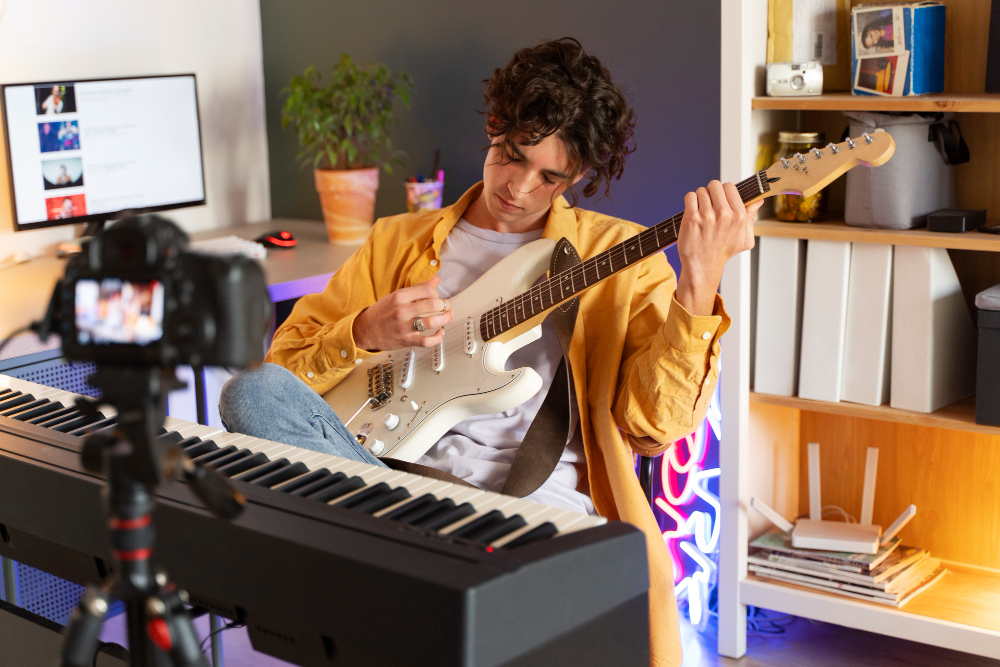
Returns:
<point x="805" y="174"/>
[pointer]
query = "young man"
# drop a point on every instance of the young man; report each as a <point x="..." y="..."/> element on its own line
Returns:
<point x="644" y="350"/>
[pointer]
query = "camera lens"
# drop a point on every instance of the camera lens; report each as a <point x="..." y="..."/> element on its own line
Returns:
<point x="797" y="82"/>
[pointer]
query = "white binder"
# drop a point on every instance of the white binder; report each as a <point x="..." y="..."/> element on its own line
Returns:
<point x="933" y="337"/>
<point x="824" y="320"/>
<point x="869" y="324"/>
<point x="780" y="275"/>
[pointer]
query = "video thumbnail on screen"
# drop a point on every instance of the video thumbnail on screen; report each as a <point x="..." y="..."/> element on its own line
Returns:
<point x="59" y="136"/>
<point x="118" y="311"/>
<point x="62" y="208"/>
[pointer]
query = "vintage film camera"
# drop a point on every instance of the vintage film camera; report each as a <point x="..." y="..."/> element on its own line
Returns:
<point x="790" y="79"/>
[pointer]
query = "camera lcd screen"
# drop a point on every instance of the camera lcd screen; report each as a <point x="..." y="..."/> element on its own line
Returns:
<point x="118" y="311"/>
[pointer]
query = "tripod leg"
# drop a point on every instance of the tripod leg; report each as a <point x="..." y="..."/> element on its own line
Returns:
<point x="10" y="581"/>
<point x="84" y="629"/>
<point x="213" y="627"/>
<point x="171" y="630"/>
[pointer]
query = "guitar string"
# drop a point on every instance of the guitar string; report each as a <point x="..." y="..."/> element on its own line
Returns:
<point x="425" y="356"/>
<point x="748" y="188"/>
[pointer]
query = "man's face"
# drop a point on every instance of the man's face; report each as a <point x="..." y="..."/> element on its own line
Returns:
<point x="67" y="207"/>
<point x="522" y="186"/>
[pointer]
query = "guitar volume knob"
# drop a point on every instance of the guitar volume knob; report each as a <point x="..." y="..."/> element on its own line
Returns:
<point x="390" y="421"/>
<point x="377" y="447"/>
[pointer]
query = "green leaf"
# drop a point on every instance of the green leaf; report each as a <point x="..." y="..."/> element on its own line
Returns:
<point x="345" y="121"/>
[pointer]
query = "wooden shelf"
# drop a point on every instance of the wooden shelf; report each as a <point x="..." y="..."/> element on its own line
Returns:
<point x="959" y="612"/>
<point x="959" y="416"/>
<point x="839" y="231"/>
<point x="974" y="103"/>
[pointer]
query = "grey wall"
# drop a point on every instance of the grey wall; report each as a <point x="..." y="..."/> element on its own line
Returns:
<point x="663" y="53"/>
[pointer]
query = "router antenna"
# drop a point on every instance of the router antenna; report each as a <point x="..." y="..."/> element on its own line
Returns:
<point x="868" y="496"/>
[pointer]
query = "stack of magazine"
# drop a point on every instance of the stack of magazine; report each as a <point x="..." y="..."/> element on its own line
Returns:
<point x="892" y="577"/>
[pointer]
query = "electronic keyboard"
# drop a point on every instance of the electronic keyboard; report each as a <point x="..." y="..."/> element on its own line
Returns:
<point x="336" y="561"/>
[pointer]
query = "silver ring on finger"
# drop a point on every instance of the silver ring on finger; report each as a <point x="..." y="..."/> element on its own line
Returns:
<point x="418" y="324"/>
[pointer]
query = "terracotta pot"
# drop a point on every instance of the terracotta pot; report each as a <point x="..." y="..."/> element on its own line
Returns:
<point x="348" y="200"/>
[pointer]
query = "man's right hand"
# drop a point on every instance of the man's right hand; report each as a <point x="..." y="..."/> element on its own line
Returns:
<point x="388" y="323"/>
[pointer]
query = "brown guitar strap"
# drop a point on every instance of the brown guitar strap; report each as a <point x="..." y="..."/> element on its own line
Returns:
<point x="545" y="440"/>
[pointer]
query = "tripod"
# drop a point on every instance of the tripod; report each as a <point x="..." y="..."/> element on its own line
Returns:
<point x="160" y="631"/>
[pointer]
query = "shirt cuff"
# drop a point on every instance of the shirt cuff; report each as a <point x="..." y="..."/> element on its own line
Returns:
<point x="695" y="334"/>
<point x="337" y="350"/>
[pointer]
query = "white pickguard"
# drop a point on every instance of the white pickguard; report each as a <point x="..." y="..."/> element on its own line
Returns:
<point x="467" y="384"/>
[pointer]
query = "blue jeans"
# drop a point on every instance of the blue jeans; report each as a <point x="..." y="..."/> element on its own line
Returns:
<point x="269" y="402"/>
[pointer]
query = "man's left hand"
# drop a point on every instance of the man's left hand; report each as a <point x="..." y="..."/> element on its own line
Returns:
<point x="715" y="227"/>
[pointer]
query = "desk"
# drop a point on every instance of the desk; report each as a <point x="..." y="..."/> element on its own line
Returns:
<point x="25" y="289"/>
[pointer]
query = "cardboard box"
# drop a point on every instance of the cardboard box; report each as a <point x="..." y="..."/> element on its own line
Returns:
<point x="897" y="49"/>
<point x="803" y="30"/>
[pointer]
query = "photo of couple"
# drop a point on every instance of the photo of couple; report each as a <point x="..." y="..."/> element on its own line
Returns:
<point x="880" y="47"/>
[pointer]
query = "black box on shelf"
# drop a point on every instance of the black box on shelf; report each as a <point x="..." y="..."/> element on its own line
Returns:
<point x="956" y="220"/>
<point x="988" y="365"/>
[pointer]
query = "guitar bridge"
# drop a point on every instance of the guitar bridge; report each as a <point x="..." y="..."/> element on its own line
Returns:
<point x="379" y="385"/>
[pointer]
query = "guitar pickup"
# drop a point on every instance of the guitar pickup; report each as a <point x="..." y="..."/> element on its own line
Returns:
<point x="470" y="337"/>
<point x="439" y="357"/>
<point x="406" y="374"/>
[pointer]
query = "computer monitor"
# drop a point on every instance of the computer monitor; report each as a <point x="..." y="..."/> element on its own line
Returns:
<point x="94" y="150"/>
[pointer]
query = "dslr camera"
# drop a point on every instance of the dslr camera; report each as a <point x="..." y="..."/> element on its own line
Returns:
<point x="136" y="296"/>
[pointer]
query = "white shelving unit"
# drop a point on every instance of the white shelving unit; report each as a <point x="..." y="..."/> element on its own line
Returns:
<point x="962" y="611"/>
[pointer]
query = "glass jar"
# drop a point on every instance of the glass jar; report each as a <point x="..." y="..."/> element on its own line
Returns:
<point x="795" y="208"/>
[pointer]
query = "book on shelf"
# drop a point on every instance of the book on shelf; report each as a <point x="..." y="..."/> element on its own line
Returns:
<point x="782" y="543"/>
<point x="886" y="576"/>
<point x="899" y="583"/>
<point x="859" y="593"/>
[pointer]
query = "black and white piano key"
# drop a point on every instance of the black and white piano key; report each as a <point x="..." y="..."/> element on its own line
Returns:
<point x="454" y="510"/>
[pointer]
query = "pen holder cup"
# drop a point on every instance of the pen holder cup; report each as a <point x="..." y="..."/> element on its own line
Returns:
<point x="423" y="196"/>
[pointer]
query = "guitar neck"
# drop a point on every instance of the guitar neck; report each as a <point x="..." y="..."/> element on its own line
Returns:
<point x="566" y="285"/>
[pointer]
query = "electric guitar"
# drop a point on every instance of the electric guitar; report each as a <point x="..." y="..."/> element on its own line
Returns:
<point x="400" y="403"/>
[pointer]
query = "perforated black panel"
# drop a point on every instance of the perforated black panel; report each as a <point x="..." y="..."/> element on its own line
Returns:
<point x="42" y="593"/>
<point x="59" y="374"/>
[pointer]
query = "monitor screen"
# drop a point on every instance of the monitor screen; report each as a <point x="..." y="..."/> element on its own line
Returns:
<point x="90" y="150"/>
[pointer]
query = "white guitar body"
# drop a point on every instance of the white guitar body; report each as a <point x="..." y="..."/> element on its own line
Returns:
<point x="473" y="380"/>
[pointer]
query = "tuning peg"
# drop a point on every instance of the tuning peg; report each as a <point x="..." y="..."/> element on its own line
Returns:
<point x="802" y="158"/>
<point x="817" y="153"/>
<point x="785" y="164"/>
<point x="833" y="148"/>
<point x="850" y="143"/>
<point x="868" y="137"/>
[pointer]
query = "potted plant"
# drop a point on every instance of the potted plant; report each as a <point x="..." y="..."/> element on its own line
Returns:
<point x="342" y="129"/>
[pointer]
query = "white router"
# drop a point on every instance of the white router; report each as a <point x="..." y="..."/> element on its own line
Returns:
<point x="815" y="533"/>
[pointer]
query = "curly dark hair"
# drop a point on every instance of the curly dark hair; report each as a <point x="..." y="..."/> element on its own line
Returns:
<point x="557" y="88"/>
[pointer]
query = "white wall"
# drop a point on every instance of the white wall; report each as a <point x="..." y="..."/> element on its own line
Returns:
<point x="218" y="40"/>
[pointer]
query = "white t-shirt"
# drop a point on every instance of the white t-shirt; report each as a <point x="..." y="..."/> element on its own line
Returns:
<point x="480" y="449"/>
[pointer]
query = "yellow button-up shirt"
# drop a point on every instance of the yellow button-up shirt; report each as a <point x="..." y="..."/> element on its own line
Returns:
<point x="642" y="365"/>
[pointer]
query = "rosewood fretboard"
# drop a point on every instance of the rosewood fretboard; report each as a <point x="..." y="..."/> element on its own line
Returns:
<point x="566" y="285"/>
